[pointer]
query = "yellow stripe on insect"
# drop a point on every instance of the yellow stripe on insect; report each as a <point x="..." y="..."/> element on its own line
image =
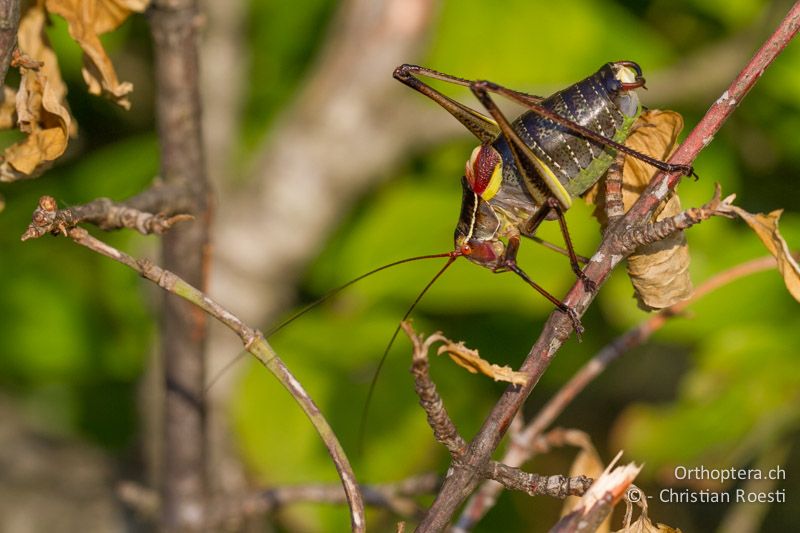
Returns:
<point x="494" y="182"/>
<point x="550" y="180"/>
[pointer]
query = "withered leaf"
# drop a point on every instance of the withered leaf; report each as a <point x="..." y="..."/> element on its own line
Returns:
<point x="39" y="105"/>
<point x="87" y="20"/>
<point x="644" y="525"/>
<point x="766" y="227"/>
<point x="472" y="361"/>
<point x="659" y="271"/>
<point x="8" y="109"/>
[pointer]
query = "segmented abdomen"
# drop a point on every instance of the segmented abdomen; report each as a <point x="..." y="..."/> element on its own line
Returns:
<point x="567" y="155"/>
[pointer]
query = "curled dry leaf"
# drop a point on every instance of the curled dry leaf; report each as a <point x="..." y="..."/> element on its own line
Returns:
<point x="39" y="105"/>
<point x="766" y="227"/>
<point x="659" y="271"/>
<point x="7" y="109"/>
<point x="87" y="20"/>
<point x="644" y="525"/>
<point x="472" y="361"/>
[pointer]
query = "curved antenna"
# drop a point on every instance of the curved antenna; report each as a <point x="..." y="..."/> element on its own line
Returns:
<point x="308" y="307"/>
<point x="452" y="256"/>
<point x="279" y="326"/>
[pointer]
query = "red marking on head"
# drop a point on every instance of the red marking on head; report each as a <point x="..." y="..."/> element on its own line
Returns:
<point x="480" y="167"/>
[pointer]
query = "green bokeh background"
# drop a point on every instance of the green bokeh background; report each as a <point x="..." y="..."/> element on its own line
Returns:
<point x="718" y="387"/>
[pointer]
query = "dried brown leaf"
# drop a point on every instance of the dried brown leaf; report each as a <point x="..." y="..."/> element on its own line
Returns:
<point x="39" y="105"/>
<point x="659" y="271"/>
<point x="87" y="20"/>
<point x="8" y="109"/>
<point x="472" y="361"/>
<point x="766" y="227"/>
<point x="644" y="525"/>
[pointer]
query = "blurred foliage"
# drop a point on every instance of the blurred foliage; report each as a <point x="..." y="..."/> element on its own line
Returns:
<point x="717" y="387"/>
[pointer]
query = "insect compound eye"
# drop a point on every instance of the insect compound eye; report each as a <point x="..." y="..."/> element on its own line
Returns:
<point x="466" y="249"/>
<point x="613" y="85"/>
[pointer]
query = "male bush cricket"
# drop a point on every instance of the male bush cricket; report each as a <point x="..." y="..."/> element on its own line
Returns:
<point x="527" y="171"/>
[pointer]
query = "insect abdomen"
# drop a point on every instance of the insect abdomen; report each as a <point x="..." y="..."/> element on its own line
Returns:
<point x="577" y="162"/>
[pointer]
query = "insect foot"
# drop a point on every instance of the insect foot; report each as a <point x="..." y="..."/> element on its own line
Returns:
<point x="576" y="322"/>
<point x="588" y="284"/>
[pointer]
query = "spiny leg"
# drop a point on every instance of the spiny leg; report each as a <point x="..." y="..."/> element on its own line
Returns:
<point x="510" y="263"/>
<point x="552" y="206"/>
<point x="591" y="135"/>
<point x="588" y="284"/>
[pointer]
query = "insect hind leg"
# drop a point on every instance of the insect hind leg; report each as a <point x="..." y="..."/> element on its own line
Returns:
<point x="588" y="284"/>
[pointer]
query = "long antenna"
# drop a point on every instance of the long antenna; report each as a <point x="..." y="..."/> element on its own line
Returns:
<point x="308" y="307"/>
<point x="365" y="412"/>
<point x="274" y="329"/>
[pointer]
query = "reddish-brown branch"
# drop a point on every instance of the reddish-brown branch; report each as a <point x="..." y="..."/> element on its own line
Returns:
<point x="463" y="479"/>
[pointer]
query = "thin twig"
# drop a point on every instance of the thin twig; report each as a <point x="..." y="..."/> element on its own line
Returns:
<point x="254" y="343"/>
<point x="444" y="430"/>
<point x="102" y="212"/>
<point x="227" y="512"/>
<point x="557" y="486"/>
<point x="397" y="497"/>
<point x="463" y="479"/>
